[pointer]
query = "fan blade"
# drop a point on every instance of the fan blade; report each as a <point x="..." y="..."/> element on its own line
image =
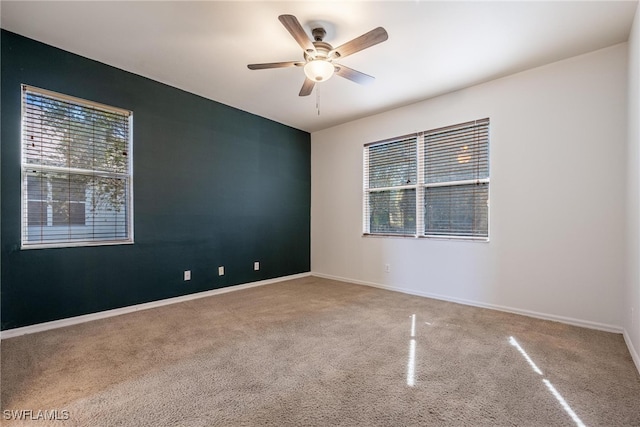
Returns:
<point x="275" y="65"/>
<point x="292" y="25"/>
<point x="307" y="87"/>
<point x="373" y="37"/>
<point x="353" y="75"/>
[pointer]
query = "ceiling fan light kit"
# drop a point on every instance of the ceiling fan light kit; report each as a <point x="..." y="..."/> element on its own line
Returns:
<point x="318" y="55"/>
<point x="319" y="70"/>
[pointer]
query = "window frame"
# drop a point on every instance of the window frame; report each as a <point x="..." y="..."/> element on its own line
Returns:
<point x="421" y="186"/>
<point x="27" y="168"/>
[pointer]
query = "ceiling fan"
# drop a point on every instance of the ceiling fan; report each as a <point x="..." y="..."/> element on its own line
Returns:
<point x="319" y="55"/>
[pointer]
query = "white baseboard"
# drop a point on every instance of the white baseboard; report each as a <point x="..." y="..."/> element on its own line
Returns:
<point x="632" y="350"/>
<point x="10" y="333"/>
<point x="544" y="316"/>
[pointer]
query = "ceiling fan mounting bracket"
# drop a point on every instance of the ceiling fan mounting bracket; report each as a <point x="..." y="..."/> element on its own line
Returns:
<point x="318" y="34"/>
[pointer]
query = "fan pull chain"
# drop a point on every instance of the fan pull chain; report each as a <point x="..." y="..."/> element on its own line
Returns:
<point x="318" y="98"/>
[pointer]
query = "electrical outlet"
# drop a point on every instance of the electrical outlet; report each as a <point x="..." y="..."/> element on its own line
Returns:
<point x="256" y="266"/>
<point x="187" y="275"/>
<point x="220" y="271"/>
<point x="387" y="268"/>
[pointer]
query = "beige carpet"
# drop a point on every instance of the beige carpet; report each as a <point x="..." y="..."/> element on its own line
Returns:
<point x="313" y="352"/>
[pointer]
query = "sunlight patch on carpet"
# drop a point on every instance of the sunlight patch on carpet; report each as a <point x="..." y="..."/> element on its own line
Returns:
<point x="411" y="363"/>
<point x="546" y="382"/>
<point x="524" y="354"/>
<point x="564" y="404"/>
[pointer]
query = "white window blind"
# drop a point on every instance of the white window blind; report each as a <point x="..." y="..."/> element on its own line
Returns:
<point x="456" y="180"/>
<point x="390" y="186"/>
<point x="76" y="171"/>
<point x="430" y="184"/>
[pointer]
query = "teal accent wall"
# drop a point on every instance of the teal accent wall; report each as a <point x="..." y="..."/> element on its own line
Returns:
<point x="213" y="186"/>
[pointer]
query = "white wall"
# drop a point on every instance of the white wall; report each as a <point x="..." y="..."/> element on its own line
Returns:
<point x="631" y="308"/>
<point x="558" y="147"/>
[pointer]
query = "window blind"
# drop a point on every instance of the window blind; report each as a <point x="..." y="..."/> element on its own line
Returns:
<point x="76" y="170"/>
<point x="456" y="180"/>
<point x="429" y="184"/>
<point x="390" y="186"/>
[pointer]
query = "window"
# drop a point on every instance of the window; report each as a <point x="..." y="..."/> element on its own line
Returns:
<point x="391" y="179"/>
<point x="430" y="184"/>
<point x="76" y="172"/>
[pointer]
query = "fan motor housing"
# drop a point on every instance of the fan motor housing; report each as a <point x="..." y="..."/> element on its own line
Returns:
<point x="322" y="51"/>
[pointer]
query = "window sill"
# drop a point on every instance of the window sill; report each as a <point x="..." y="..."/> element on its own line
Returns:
<point x="74" y="244"/>
<point x="413" y="236"/>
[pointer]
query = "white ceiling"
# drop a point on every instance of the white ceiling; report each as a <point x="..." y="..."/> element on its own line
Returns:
<point x="433" y="47"/>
